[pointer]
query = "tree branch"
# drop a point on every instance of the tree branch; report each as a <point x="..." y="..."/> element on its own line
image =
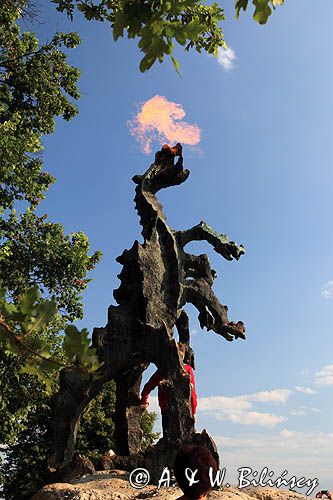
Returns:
<point x="24" y="348"/>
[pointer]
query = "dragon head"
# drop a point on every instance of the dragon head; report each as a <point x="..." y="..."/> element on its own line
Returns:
<point x="164" y="172"/>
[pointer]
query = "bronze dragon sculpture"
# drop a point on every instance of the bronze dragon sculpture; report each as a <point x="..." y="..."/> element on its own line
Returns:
<point x="158" y="279"/>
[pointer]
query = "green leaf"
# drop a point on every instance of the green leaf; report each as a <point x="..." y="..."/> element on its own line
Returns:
<point x="9" y="309"/>
<point x="7" y="337"/>
<point x="28" y="300"/>
<point x="36" y="344"/>
<point x="30" y="369"/>
<point x="175" y="65"/>
<point x="76" y="343"/>
<point x="240" y="4"/>
<point x="44" y="313"/>
<point x="72" y="341"/>
<point x="49" y="365"/>
<point x="262" y="11"/>
<point x="192" y="30"/>
<point x="119" y="25"/>
<point x="147" y="62"/>
<point x="180" y="36"/>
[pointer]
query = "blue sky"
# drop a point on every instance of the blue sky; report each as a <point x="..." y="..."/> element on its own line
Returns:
<point x="264" y="176"/>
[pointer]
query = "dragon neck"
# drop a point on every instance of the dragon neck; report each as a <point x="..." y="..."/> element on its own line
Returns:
<point x="153" y="222"/>
<point x="149" y="209"/>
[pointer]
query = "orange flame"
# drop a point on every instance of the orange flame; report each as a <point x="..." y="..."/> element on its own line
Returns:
<point x="161" y="120"/>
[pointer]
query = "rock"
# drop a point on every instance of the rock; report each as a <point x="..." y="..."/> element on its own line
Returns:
<point x="272" y="494"/>
<point x="126" y="463"/>
<point x="79" y="465"/>
<point x="114" y="485"/>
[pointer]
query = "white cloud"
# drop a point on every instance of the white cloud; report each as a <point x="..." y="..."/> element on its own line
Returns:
<point x="281" y="447"/>
<point x="287" y="434"/>
<point x="308" y="441"/>
<point x="304" y="390"/>
<point x="239" y="409"/>
<point x="304" y="410"/>
<point x="324" y="376"/>
<point x="327" y="290"/>
<point x="256" y="418"/>
<point x="297" y="413"/>
<point x="244" y="402"/>
<point x="274" y="396"/>
<point x="226" y="58"/>
<point x="303" y="454"/>
<point x="226" y="404"/>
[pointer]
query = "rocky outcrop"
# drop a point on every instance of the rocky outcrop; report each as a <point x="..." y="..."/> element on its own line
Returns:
<point x="114" y="485"/>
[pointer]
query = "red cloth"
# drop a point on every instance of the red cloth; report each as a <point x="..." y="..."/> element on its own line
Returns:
<point x="155" y="380"/>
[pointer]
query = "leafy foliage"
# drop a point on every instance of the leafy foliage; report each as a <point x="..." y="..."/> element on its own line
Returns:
<point x="44" y="256"/>
<point x="36" y="85"/>
<point x="24" y="470"/>
<point x="262" y="8"/>
<point x="158" y="24"/>
<point x="147" y="426"/>
<point x="36" y="258"/>
<point x="95" y="435"/>
<point x="20" y="326"/>
<point x="18" y="388"/>
<point x="17" y="393"/>
<point x="28" y="405"/>
<point x="76" y="346"/>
